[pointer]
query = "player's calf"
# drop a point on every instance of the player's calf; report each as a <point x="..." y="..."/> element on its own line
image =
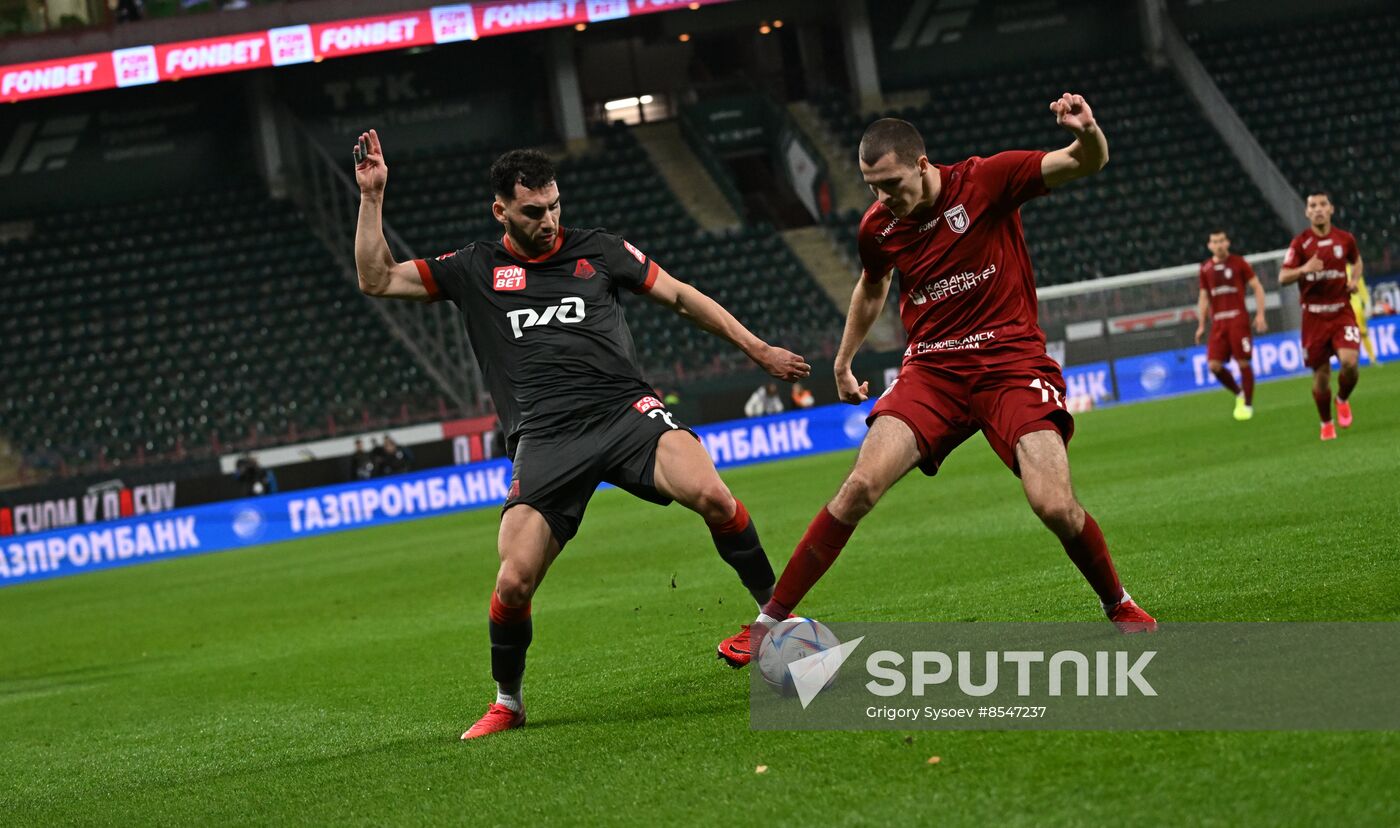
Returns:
<point x="736" y="540"/>
<point x="1045" y="477"/>
<point x="1346" y="383"/>
<point x="1224" y="377"/>
<point x="1060" y="513"/>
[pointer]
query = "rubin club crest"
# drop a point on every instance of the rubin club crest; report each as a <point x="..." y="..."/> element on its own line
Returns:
<point x="957" y="219"/>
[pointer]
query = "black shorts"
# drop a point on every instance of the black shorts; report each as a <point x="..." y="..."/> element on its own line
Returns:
<point x="556" y="473"/>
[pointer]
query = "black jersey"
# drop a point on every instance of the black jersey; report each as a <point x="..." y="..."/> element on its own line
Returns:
<point x="549" y="333"/>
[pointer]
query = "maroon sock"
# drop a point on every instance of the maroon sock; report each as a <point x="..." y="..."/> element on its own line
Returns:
<point x="815" y="554"/>
<point x="1089" y="551"/>
<point x="1324" y="404"/>
<point x="1247" y="380"/>
<point x="1227" y="380"/>
<point x="1345" y="383"/>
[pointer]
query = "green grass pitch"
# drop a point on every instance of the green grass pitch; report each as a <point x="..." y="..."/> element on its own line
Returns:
<point x="327" y="680"/>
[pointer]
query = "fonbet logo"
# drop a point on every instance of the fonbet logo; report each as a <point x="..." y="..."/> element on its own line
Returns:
<point x="567" y="312"/>
<point x="291" y="44"/>
<point x="510" y="277"/>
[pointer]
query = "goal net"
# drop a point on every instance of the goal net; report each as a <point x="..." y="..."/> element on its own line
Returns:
<point x="1133" y="336"/>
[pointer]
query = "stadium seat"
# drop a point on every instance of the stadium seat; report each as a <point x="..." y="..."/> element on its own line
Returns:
<point x="1336" y="134"/>
<point x="1165" y="162"/>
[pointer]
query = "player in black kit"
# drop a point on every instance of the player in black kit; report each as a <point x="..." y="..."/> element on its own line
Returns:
<point x="541" y="309"/>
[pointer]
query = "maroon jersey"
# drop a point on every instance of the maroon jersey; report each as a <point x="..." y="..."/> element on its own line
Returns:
<point x="966" y="288"/>
<point x="1224" y="282"/>
<point x="1323" y="293"/>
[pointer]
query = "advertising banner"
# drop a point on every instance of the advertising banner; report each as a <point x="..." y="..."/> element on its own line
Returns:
<point x="1277" y="355"/>
<point x="238" y="523"/>
<point x="307" y="43"/>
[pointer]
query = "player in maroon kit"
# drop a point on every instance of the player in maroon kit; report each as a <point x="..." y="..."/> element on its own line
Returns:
<point x="1327" y="266"/>
<point x="976" y="358"/>
<point x="1224" y="276"/>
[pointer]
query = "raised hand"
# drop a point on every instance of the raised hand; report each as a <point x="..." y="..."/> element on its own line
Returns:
<point x="849" y="390"/>
<point x="371" y="173"/>
<point x="1072" y="112"/>
<point x="783" y="364"/>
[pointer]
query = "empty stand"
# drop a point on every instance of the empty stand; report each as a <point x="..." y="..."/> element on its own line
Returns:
<point x="1324" y="101"/>
<point x="181" y="326"/>
<point x="1170" y="179"/>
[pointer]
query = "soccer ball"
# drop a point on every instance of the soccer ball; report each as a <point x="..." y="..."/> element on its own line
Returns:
<point x="789" y="641"/>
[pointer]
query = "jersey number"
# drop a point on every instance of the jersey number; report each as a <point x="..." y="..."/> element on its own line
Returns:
<point x="662" y="414"/>
<point x="1047" y="391"/>
<point x="1351" y="333"/>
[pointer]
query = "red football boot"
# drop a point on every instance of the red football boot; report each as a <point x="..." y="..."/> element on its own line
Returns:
<point x="1329" y="431"/>
<point x="735" y="649"/>
<point x="1129" y="618"/>
<point x="1343" y="413"/>
<point x="498" y="718"/>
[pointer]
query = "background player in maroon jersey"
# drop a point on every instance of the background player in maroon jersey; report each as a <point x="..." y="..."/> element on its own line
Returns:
<point x="1326" y="264"/>
<point x="976" y="358"/>
<point x="1224" y="276"/>
<point x="541" y="308"/>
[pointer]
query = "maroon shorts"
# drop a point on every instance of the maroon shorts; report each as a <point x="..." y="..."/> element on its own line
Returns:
<point x="1325" y="336"/>
<point x="1230" y="338"/>
<point x="1005" y="402"/>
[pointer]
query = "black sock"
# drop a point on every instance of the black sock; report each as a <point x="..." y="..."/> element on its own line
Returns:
<point x="737" y="542"/>
<point x="511" y="630"/>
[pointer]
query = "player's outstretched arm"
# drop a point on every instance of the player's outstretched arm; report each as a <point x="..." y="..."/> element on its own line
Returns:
<point x="1086" y="155"/>
<point x="379" y="274"/>
<point x="708" y="315"/>
<point x="867" y="300"/>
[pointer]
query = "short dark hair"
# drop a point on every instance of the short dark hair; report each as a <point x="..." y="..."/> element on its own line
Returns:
<point x="1322" y="193"/>
<point x="1220" y="231"/>
<point x="891" y="135"/>
<point x="529" y="168"/>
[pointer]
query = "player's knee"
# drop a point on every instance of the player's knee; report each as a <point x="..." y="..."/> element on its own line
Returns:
<point x="858" y="495"/>
<point x="515" y="586"/>
<point x="714" y="502"/>
<point x="1215" y="366"/>
<point x="1059" y="512"/>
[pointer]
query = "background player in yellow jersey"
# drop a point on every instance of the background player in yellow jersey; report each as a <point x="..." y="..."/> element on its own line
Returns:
<point x="1361" y="306"/>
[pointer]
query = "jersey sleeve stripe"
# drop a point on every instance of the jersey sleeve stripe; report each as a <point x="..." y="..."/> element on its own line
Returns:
<point x="653" y="270"/>
<point x="429" y="283"/>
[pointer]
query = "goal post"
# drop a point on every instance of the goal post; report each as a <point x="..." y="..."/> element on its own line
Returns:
<point x="1101" y="321"/>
